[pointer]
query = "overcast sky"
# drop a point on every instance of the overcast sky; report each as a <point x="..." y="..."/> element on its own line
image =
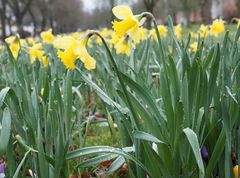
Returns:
<point x="89" y="5"/>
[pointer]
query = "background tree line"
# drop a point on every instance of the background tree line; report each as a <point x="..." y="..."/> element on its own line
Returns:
<point x="69" y="15"/>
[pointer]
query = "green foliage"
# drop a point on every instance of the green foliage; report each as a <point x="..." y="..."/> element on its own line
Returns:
<point x="165" y="106"/>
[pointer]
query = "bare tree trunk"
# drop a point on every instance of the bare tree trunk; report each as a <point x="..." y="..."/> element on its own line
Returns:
<point x="9" y="20"/>
<point x="34" y="21"/>
<point x="170" y="10"/>
<point x="166" y="9"/>
<point x="3" y="19"/>
<point x="149" y="5"/>
<point x="19" y="23"/>
<point x="187" y="11"/>
<point x="112" y="4"/>
<point x="238" y="6"/>
<point x="46" y="10"/>
<point x="216" y="9"/>
<point x="19" y="9"/>
<point x="206" y="11"/>
<point x="50" y="13"/>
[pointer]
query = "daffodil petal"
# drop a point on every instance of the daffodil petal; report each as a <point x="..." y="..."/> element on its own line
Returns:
<point x="10" y="39"/>
<point x="122" y="12"/>
<point x="63" y="42"/>
<point x="90" y="63"/>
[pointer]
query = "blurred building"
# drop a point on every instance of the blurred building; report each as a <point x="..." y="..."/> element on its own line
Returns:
<point x="226" y="9"/>
<point x="230" y="9"/>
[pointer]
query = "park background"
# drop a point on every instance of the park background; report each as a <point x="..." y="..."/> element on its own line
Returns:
<point x="30" y="17"/>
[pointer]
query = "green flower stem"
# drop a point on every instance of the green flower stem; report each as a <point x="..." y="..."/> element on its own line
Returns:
<point x="134" y="114"/>
<point x="131" y="108"/>
<point x="150" y="15"/>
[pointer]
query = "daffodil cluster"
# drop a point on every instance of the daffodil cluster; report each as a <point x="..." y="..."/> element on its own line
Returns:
<point x="126" y="33"/>
<point x="69" y="49"/>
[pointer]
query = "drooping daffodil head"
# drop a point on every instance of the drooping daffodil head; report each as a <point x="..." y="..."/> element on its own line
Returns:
<point x="14" y="45"/>
<point x="71" y="49"/>
<point x="128" y="23"/>
<point x="84" y="56"/>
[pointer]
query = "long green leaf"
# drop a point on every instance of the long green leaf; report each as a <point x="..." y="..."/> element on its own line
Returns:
<point x="146" y="136"/>
<point x="193" y="140"/>
<point x="5" y="131"/>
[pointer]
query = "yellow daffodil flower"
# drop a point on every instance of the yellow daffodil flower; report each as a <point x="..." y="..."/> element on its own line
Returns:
<point x="123" y="46"/>
<point x="194" y="46"/>
<point x="98" y="41"/>
<point x="105" y="33"/>
<point x="153" y="34"/>
<point x="217" y="27"/>
<point x="45" y="61"/>
<point x="23" y="42"/>
<point x="162" y="30"/>
<point x="47" y="36"/>
<point x="129" y="23"/>
<point x="70" y="49"/>
<point x="178" y="31"/>
<point x="235" y="171"/>
<point x="81" y="51"/>
<point x="138" y="36"/>
<point x="77" y="35"/>
<point x="203" y="30"/>
<point x="35" y="52"/>
<point x="194" y="35"/>
<point x="114" y="40"/>
<point x="63" y="42"/>
<point x="14" y="45"/>
<point x="30" y="41"/>
<point x="68" y="57"/>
